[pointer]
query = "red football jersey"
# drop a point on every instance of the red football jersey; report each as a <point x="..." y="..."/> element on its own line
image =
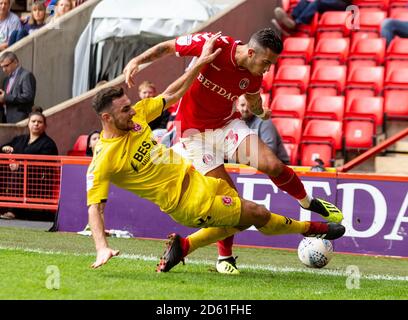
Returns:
<point x="210" y="101"/>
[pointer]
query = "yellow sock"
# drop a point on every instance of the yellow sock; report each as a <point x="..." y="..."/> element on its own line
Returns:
<point x="278" y="224"/>
<point x="207" y="236"/>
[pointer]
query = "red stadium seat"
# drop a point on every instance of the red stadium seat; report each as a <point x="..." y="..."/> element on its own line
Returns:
<point x="391" y="65"/>
<point x="352" y="64"/>
<point x="308" y="30"/>
<point x="325" y="131"/>
<point x="358" y="134"/>
<point x="289" y="106"/>
<point x="380" y="4"/>
<point x="368" y="49"/>
<point x="80" y="145"/>
<point x="396" y="79"/>
<point x="267" y="81"/>
<point x="292" y="150"/>
<point x="398" y="49"/>
<point x="320" y="139"/>
<point x="356" y="36"/>
<point x="289" y="129"/>
<point x="309" y="152"/>
<point x="332" y="49"/>
<point x="396" y="105"/>
<point x="329" y="77"/>
<point x="287" y="91"/>
<point x="298" y="48"/>
<point x="313" y="93"/>
<point x="368" y="78"/>
<point x="317" y="63"/>
<point x="367" y="107"/>
<point x="369" y="21"/>
<point x="292" y="76"/>
<point x="334" y="22"/>
<point x="266" y="100"/>
<point x="397" y="6"/>
<point x="291" y="61"/>
<point x="326" y="107"/>
<point x="400" y="15"/>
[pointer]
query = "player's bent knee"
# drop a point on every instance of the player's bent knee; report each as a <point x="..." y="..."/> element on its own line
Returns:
<point x="272" y="167"/>
<point x="253" y="214"/>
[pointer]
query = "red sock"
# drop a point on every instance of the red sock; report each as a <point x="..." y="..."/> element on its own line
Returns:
<point x="225" y="246"/>
<point x="288" y="181"/>
<point x="185" y="246"/>
<point x="316" y="227"/>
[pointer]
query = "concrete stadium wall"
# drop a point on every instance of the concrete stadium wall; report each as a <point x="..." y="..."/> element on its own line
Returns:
<point x="74" y="117"/>
<point x="49" y="54"/>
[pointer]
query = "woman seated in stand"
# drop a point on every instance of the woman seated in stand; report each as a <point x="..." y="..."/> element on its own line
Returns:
<point x="35" y="142"/>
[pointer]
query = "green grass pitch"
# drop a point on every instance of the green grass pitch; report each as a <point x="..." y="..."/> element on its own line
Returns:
<point x="46" y="265"/>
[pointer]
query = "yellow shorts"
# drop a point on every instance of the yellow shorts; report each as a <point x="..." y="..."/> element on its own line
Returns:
<point x="208" y="202"/>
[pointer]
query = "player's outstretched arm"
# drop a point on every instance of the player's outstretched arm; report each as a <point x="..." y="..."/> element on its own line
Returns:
<point x="96" y="221"/>
<point x="179" y="87"/>
<point x="159" y="50"/>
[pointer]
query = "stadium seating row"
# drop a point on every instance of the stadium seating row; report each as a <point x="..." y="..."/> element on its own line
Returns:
<point x="336" y="84"/>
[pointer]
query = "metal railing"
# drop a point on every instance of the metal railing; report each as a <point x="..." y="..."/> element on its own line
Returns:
<point x="30" y="181"/>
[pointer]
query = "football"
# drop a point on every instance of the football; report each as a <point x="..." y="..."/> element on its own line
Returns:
<point x="315" y="252"/>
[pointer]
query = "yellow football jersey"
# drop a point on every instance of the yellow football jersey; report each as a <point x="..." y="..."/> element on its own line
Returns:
<point x="136" y="162"/>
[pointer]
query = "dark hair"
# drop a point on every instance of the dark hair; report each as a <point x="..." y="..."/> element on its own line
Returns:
<point x="103" y="99"/>
<point x="37" y="111"/>
<point x="89" y="152"/>
<point x="267" y="38"/>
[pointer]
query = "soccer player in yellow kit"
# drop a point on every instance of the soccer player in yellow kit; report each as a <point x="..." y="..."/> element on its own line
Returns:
<point x="128" y="156"/>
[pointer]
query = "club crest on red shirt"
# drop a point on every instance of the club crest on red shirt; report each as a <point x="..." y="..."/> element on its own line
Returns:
<point x="244" y="83"/>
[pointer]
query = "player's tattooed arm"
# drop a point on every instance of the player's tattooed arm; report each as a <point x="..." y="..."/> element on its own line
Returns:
<point x="255" y="105"/>
<point x="158" y="51"/>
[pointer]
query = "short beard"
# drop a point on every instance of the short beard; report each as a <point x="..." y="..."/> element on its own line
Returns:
<point x="123" y="128"/>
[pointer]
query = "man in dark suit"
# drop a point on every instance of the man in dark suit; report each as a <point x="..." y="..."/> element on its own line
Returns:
<point x="18" y="92"/>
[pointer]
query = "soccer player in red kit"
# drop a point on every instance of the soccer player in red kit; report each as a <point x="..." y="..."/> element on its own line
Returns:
<point x="210" y="104"/>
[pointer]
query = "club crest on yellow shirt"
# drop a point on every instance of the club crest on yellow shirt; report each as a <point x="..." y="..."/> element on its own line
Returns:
<point x="227" y="201"/>
<point x="137" y="127"/>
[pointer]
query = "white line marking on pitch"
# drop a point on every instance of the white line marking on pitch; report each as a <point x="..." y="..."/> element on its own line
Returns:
<point x="327" y="272"/>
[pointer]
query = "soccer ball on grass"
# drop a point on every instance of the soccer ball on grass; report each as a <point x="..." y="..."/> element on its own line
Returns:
<point x="315" y="252"/>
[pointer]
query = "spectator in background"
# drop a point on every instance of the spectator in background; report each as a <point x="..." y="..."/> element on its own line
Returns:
<point x="319" y="166"/>
<point x="34" y="21"/>
<point x="19" y="88"/>
<point x="393" y="27"/>
<point x="61" y="7"/>
<point x="93" y="138"/>
<point x="35" y="142"/>
<point x="304" y="12"/>
<point x="147" y="89"/>
<point x="50" y="4"/>
<point x="265" y="130"/>
<point x="9" y="22"/>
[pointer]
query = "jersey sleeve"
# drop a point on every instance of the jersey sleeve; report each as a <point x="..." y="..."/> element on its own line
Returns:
<point x="97" y="183"/>
<point x="192" y="44"/>
<point x="150" y="108"/>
